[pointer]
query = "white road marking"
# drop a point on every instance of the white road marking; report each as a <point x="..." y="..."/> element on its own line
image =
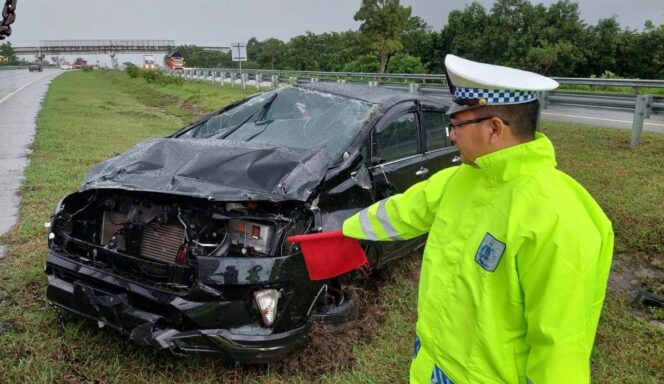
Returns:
<point x="599" y="118"/>
<point x="20" y="89"/>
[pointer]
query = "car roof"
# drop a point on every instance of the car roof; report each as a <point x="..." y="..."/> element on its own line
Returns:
<point x="382" y="95"/>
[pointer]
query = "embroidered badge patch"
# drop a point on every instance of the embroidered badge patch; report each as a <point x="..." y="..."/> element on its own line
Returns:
<point x="489" y="253"/>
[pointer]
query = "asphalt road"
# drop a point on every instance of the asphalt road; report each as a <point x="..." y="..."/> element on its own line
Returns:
<point x="613" y="118"/>
<point x="21" y="93"/>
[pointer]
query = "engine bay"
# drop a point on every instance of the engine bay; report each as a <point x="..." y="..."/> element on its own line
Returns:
<point x="161" y="236"/>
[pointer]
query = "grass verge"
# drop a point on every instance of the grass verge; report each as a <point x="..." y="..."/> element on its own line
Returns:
<point x="88" y="117"/>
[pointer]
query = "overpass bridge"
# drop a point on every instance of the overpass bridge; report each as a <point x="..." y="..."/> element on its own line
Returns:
<point x="59" y="47"/>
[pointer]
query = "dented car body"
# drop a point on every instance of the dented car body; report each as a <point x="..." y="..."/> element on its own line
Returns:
<point x="179" y="243"/>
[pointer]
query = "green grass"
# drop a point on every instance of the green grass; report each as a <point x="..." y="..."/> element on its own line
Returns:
<point x="88" y="117"/>
<point x="604" y="89"/>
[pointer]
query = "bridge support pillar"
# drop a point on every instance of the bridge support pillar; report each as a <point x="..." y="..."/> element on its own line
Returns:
<point x="222" y="78"/>
<point x="413" y="88"/>
<point x="274" y="82"/>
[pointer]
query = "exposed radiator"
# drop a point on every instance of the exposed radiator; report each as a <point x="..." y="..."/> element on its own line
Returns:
<point x="159" y="242"/>
<point x="162" y="242"/>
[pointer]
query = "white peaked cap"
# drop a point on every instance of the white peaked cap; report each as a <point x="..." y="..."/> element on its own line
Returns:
<point x="488" y="84"/>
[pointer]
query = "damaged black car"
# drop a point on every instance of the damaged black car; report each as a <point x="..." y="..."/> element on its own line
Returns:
<point x="179" y="243"/>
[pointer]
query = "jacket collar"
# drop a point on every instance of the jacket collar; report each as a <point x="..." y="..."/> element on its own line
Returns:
<point x="522" y="159"/>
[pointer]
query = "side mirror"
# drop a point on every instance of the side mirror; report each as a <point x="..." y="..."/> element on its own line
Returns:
<point x="362" y="178"/>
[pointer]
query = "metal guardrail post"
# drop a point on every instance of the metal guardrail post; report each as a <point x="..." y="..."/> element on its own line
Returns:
<point x="648" y="106"/>
<point x="222" y="78"/>
<point x="233" y="74"/>
<point x="243" y="81"/>
<point x="259" y="79"/>
<point x="543" y="97"/>
<point x="274" y="82"/>
<point x="637" y="124"/>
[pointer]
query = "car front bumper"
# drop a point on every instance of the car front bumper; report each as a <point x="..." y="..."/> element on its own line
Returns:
<point x="146" y="315"/>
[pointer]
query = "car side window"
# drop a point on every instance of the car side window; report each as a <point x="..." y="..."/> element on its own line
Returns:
<point x="397" y="140"/>
<point x="434" y="128"/>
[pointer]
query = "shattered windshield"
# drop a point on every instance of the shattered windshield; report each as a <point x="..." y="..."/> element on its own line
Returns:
<point x="292" y="117"/>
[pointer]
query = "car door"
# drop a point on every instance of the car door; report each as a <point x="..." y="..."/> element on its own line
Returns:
<point x="397" y="162"/>
<point x="440" y="152"/>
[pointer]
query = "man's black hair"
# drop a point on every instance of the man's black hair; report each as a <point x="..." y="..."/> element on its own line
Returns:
<point x="522" y="118"/>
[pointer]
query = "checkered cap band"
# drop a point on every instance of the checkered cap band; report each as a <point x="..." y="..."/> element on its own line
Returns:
<point x="496" y="96"/>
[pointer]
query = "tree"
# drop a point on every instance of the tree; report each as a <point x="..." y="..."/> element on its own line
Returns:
<point x="383" y="21"/>
<point x="542" y="58"/>
<point x="254" y="48"/>
<point x="272" y="53"/>
<point x="9" y="54"/>
<point x="418" y="40"/>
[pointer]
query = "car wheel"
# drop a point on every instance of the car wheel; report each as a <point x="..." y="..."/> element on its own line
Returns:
<point x="339" y="307"/>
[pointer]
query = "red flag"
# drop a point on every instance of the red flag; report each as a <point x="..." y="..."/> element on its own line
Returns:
<point x="329" y="254"/>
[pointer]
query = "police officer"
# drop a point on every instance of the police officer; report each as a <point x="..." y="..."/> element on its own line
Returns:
<point x="516" y="262"/>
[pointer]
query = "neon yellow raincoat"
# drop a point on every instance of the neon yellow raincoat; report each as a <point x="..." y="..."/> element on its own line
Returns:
<point x="514" y="270"/>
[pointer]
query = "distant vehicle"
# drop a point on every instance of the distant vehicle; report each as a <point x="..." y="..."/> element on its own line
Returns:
<point x="148" y="62"/>
<point x="79" y="63"/>
<point x="175" y="61"/>
<point x="65" y="67"/>
<point x="35" y="67"/>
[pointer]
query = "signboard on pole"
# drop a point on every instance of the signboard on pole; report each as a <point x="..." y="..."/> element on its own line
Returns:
<point x="239" y="52"/>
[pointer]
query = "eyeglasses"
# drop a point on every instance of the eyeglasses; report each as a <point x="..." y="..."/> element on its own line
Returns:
<point x="458" y="124"/>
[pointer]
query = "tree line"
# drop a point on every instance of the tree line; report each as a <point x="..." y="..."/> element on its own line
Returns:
<point x="551" y="40"/>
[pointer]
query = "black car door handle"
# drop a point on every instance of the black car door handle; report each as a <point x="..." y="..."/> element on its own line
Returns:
<point x="422" y="172"/>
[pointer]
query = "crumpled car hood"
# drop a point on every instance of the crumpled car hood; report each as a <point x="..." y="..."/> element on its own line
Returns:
<point x="223" y="170"/>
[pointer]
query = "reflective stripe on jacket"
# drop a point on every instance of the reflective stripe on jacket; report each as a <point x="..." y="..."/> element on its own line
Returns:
<point x="514" y="269"/>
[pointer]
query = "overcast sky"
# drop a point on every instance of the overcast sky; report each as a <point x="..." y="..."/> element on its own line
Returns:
<point x="220" y="22"/>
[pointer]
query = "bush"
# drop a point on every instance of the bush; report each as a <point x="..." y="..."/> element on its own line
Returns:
<point x="404" y="63"/>
<point x="132" y="70"/>
<point x="87" y="68"/>
<point x="364" y="63"/>
<point x="152" y="76"/>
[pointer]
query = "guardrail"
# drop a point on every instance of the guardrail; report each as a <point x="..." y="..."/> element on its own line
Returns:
<point x="436" y="85"/>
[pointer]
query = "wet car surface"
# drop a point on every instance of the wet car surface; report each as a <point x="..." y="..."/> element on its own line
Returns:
<point x="179" y="243"/>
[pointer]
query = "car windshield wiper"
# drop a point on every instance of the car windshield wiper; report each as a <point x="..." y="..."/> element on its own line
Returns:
<point x="263" y="110"/>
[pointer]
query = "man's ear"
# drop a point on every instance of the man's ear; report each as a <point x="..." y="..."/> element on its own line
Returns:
<point x="497" y="129"/>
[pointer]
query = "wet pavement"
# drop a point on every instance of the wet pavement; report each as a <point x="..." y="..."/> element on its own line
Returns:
<point x="612" y="118"/>
<point x="21" y="94"/>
